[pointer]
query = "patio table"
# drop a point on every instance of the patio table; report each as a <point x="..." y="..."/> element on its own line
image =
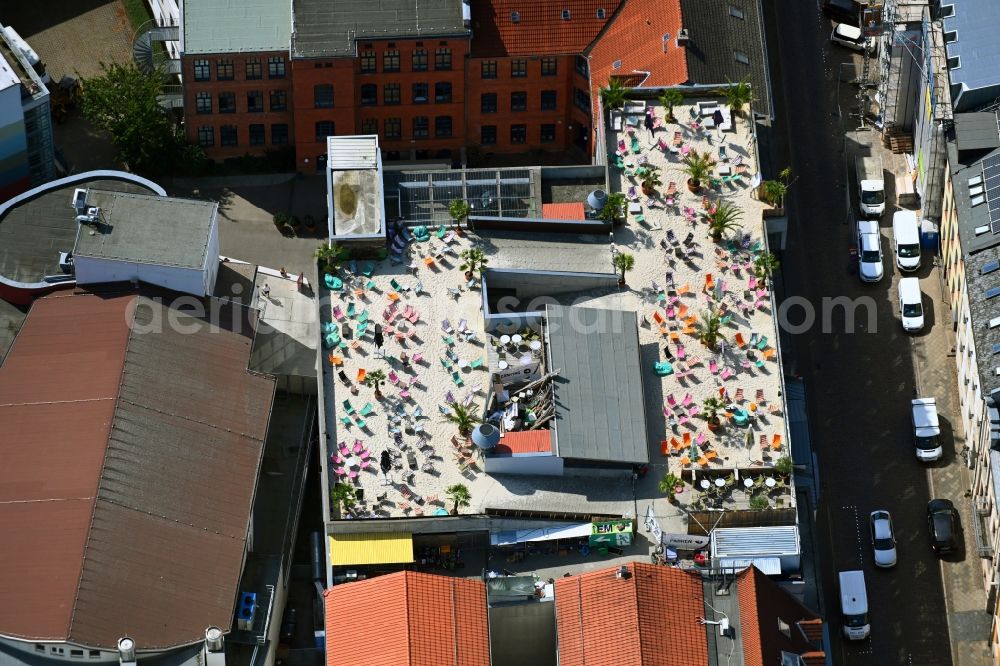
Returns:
<point x="770" y="482"/>
<point x="748" y="482"/>
<point x="705" y="484"/>
<point x="634" y="208"/>
<point x="725" y="169"/>
<point x="720" y="482"/>
<point x="516" y="339"/>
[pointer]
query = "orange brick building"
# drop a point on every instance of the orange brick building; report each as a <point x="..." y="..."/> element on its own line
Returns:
<point x="494" y="76"/>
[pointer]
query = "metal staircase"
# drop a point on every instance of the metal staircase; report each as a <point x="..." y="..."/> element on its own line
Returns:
<point x="145" y="54"/>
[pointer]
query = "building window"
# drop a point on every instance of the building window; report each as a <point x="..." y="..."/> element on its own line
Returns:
<point x="581" y="99"/>
<point x="549" y="66"/>
<point x="736" y="12"/>
<point x="95" y="654"/>
<point x="548" y="100"/>
<point x="442" y="92"/>
<point x="442" y="126"/>
<point x="367" y="62"/>
<point x="518" y="133"/>
<point x="393" y="128"/>
<point x="582" y="66"/>
<point x="390" y="93"/>
<point x="519" y="101"/>
<point x="227" y="102"/>
<point x="390" y="61"/>
<point x="488" y="69"/>
<point x="276" y="67"/>
<point x="224" y="72"/>
<point x="255" y="101"/>
<point x="515" y="17"/>
<point x="369" y="94"/>
<point x="279" y="134"/>
<point x="56" y="650"/>
<point x="418" y="63"/>
<point x="442" y="59"/>
<point x="324" y="128"/>
<point x="227" y="136"/>
<point x="202" y="70"/>
<point x="518" y="68"/>
<point x="323" y="96"/>
<point x="203" y="102"/>
<point x="488" y="135"/>
<point x="548" y="134"/>
<point x="601" y="13"/>
<point x="954" y="62"/>
<point x="279" y="100"/>
<point x="565" y="15"/>
<point x="421" y="127"/>
<point x="39" y="648"/>
<point x="741" y="57"/>
<point x="488" y="103"/>
<point x="254" y="69"/>
<point x="206" y="136"/>
<point x="257" y="135"/>
<point x="369" y="126"/>
<point x="420" y="93"/>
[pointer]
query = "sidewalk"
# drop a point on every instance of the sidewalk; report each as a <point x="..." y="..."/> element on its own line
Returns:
<point x="965" y="596"/>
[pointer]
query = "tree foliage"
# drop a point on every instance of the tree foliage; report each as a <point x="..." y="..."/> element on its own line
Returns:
<point x="124" y="102"/>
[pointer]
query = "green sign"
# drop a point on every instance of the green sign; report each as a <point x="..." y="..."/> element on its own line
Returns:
<point x="611" y="533"/>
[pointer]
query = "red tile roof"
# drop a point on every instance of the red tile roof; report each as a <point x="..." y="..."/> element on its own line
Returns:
<point x="526" y="441"/>
<point x="635" y="37"/>
<point x="648" y="619"/>
<point x="563" y="211"/>
<point x="540" y="30"/>
<point x="762" y="604"/>
<point x="407" y="619"/>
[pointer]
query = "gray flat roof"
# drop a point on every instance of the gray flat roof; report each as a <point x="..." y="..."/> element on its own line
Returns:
<point x="236" y="26"/>
<point x="975" y="23"/>
<point x="580" y="253"/>
<point x="330" y="28"/>
<point x="977" y="131"/>
<point x="148" y="229"/>
<point x="33" y="233"/>
<point x="600" y="411"/>
<point x="965" y="165"/>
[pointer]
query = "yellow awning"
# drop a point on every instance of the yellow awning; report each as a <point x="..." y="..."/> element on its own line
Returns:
<point x="370" y="548"/>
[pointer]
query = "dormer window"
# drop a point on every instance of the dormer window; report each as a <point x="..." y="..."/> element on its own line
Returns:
<point x="565" y="15"/>
<point x="515" y="17"/>
<point x="601" y="13"/>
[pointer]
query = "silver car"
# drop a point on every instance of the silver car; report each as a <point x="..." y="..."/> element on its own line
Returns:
<point x="883" y="540"/>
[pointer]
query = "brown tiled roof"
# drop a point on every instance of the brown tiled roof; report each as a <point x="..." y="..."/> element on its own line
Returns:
<point x="526" y="441"/>
<point x="762" y="605"/>
<point x="408" y="619"/>
<point x="635" y="39"/>
<point x="647" y="619"/>
<point x="147" y="529"/>
<point x="540" y="29"/>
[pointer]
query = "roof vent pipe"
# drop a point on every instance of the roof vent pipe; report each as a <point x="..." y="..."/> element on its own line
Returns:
<point x="126" y="650"/>
<point x="682" y="37"/>
<point x="213" y="639"/>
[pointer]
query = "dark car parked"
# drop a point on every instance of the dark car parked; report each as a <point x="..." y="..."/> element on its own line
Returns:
<point x="941" y="525"/>
<point x="844" y="11"/>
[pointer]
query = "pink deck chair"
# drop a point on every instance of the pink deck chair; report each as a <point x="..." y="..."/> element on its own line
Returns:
<point x="671" y="400"/>
<point x="713" y="367"/>
<point x="726" y="373"/>
<point x="688" y="399"/>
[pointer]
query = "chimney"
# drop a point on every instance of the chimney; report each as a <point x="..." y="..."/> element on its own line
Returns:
<point x="214" y="653"/>
<point x="126" y="651"/>
<point x="683" y="38"/>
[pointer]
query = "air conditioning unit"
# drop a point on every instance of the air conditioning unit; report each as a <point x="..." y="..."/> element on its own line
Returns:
<point x="246" y="610"/>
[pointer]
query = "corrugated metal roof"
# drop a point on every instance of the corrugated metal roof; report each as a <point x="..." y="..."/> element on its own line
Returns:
<point x="770" y="566"/>
<point x="526" y="441"/>
<point x="345" y="153"/>
<point x="749" y="542"/>
<point x="236" y="26"/>
<point x="176" y="461"/>
<point x="563" y="211"/>
<point x="600" y="412"/>
<point x="370" y="548"/>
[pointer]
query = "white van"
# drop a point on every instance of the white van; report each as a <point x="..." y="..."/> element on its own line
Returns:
<point x="906" y="239"/>
<point x="854" y="605"/>
<point x="911" y="306"/>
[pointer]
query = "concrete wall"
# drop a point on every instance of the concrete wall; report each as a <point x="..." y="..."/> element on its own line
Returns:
<point x="533" y="290"/>
<point x="547" y="465"/>
<point x="540" y="225"/>
<point x="211" y="267"/>
<point x="90" y="270"/>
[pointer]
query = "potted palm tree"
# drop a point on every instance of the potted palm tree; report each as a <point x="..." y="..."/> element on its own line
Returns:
<point x="725" y="219"/>
<point x="710" y="411"/>
<point x="670" y="485"/>
<point x="698" y="168"/>
<point x="671" y="98"/>
<point x="464" y="419"/>
<point x="458" y="209"/>
<point x="738" y="95"/>
<point x="342" y="495"/>
<point x="624" y="262"/>
<point x="651" y="180"/>
<point x="329" y="256"/>
<point x="772" y="192"/>
<point x="614" y="208"/>
<point x="473" y="261"/>
<point x="375" y="379"/>
<point x="783" y="466"/>
<point x="614" y="94"/>
<point x="459" y="495"/>
<point x="710" y="330"/>
<point x="764" y="265"/>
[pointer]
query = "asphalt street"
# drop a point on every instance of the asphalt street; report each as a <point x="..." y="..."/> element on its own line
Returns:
<point x="859" y="374"/>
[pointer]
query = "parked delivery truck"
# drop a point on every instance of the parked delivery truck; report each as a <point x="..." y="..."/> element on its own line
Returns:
<point x="871" y="184"/>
